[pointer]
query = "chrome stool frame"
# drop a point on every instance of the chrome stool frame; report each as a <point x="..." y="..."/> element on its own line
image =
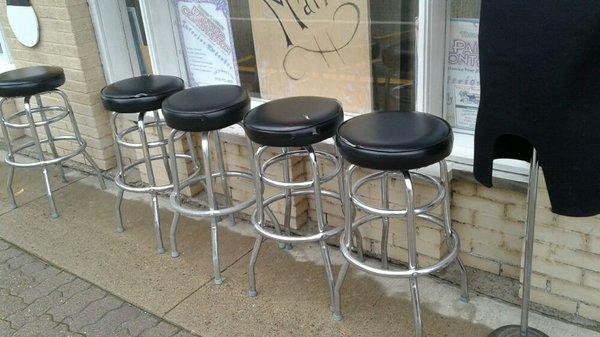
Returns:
<point x="290" y="188"/>
<point x="12" y="122"/>
<point x="214" y="211"/>
<point x="411" y="213"/>
<point x="145" y="146"/>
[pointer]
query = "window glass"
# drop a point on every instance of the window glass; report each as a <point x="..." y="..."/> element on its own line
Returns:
<point x="461" y="87"/>
<point x="360" y="52"/>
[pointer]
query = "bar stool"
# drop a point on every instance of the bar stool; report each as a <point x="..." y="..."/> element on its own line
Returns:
<point x="205" y="110"/>
<point x="140" y="95"/>
<point x="38" y="82"/>
<point x="298" y="122"/>
<point x="392" y="144"/>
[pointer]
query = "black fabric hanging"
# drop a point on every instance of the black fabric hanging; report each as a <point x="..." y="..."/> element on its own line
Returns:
<point x="540" y="86"/>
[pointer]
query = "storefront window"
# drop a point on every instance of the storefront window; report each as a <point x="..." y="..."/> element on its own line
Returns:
<point x="360" y="52"/>
<point x="461" y="87"/>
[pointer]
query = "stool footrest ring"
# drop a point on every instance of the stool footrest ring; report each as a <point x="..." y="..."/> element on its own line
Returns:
<point x="179" y="207"/>
<point x="439" y="197"/>
<point x="294" y="239"/>
<point x="52" y="161"/>
<point x="120" y="181"/>
<point x="442" y="263"/>
<point x="63" y="113"/>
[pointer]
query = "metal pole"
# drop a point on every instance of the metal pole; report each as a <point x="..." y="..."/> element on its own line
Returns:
<point x="524" y="330"/>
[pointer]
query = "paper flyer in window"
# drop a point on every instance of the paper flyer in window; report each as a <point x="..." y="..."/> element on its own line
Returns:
<point x="207" y="42"/>
<point x="462" y="74"/>
<point x="466" y="104"/>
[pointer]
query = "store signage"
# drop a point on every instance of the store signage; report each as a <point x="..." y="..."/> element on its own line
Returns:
<point x="316" y="47"/>
<point x="207" y="42"/>
<point x="462" y="68"/>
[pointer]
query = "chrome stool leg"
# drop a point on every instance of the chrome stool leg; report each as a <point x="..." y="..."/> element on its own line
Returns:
<point x="80" y="140"/>
<point x="412" y="253"/>
<point x="50" y="137"/>
<point x="346" y="239"/>
<point x="163" y="146"/>
<point x="321" y="222"/>
<point x="357" y="237"/>
<point x="152" y="181"/>
<point x="172" y="154"/>
<point x="176" y="191"/>
<point x="385" y="200"/>
<point x="38" y="145"/>
<point x="464" y="284"/>
<point x="287" y="217"/>
<point x="258" y="186"/>
<point x="9" y="154"/>
<point x="224" y="185"/>
<point x="120" y="172"/>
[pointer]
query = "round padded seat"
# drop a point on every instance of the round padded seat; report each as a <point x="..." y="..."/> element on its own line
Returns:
<point x="207" y="108"/>
<point x="30" y="81"/>
<point x="395" y="141"/>
<point x="139" y="94"/>
<point x="294" y="121"/>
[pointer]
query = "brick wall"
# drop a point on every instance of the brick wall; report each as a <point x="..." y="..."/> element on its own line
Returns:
<point x="67" y="40"/>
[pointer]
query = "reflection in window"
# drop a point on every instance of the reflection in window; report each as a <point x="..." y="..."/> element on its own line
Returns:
<point x="361" y="52"/>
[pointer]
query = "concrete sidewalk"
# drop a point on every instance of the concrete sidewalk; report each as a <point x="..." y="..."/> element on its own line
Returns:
<point x="292" y="300"/>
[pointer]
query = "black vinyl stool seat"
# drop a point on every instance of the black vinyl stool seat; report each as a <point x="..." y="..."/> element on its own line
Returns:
<point x="140" y="94"/>
<point x="30" y="81"/>
<point x="294" y="121"/>
<point x="206" y="108"/>
<point x="31" y="86"/>
<point x="395" y="141"/>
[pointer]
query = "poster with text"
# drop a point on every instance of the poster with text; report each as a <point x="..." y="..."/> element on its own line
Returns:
<point x="461" y="90"/>
<point x="207" y="42"/>
<point x="316" y="47"/>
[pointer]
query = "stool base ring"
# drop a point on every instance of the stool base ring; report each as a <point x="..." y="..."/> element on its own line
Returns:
<point x="453" y="242"/>
<point x="294" y="239"/>
<point x="120" y="181"/>
<point x="515" y="331"/>
<point x="179" y="207"/>
<point x="52" y="161"/>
